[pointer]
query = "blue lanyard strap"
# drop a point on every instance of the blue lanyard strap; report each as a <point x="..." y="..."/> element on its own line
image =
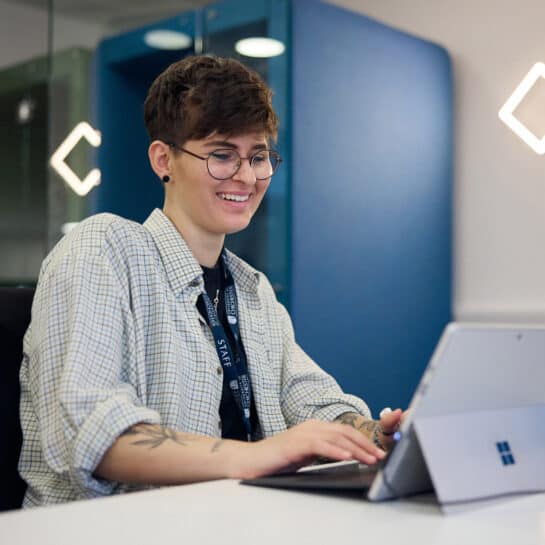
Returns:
<point x="234" y="366"/>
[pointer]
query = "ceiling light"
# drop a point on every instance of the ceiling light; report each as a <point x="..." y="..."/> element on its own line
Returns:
<point x="25" y="109"/>
<point x="260" y="47"/>
<point x="167" y="39"/>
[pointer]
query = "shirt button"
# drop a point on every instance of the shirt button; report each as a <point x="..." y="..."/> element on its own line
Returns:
<point x="219" y="370"/>
<point x="194" y="283"/>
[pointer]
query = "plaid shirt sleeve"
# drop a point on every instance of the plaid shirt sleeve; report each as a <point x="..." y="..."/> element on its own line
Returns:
<point x="82" y="335"/>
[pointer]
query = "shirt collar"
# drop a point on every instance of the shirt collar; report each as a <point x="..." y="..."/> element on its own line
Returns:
<point x="246" y="277"/>
<point x="180" y="264"/>
<point x="181" y="267"/>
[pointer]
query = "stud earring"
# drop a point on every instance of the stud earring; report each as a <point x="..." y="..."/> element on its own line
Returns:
<point x="165" y="179"/>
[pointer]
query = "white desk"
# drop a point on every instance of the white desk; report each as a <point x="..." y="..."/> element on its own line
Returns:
<point x="224" y="512"/>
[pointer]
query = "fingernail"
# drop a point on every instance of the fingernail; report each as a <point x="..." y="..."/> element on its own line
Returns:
<point x="380" y="453"/>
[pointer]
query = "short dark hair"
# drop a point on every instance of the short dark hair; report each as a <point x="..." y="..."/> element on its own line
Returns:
<point x="200" y="95"/>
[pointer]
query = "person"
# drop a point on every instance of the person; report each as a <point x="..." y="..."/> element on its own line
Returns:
<point x="155" y="356"/>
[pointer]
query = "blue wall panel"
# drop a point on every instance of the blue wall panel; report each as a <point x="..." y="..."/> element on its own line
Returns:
<point x="372" y="173"/>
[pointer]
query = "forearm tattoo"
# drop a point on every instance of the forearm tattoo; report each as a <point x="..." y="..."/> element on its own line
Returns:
<point x="371" y="428"/>
<point x="155" y="436"/>
<point x="348" y="418"/>
<point x="351" y="419"/>
<point x="368" y="425"/>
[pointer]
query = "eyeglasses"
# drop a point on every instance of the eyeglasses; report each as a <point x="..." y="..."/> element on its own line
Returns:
<point x="223" y="164"/>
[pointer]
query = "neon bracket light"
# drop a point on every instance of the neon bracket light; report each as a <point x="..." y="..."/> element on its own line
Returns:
<point x="57" y="161"/>
<point x="506" y="111"/>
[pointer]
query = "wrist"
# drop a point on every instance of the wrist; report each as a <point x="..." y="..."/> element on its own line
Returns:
<point x="234" y="455"/>
<point x="376" y="437"/>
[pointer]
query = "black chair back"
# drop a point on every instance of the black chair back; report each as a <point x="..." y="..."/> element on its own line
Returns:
<point x="15" y="304"/>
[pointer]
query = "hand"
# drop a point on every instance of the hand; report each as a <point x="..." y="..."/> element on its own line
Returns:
<point x="389" y="423"/>
<point x="300" y="445"/>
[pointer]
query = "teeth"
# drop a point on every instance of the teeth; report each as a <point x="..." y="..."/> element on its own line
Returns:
<point x="237" y="198"/>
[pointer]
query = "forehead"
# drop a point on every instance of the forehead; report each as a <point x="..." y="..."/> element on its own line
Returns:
<point x="241" y="141"/>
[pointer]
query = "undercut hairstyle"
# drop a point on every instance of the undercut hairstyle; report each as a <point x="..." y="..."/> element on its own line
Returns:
<point x="201" y="95"/>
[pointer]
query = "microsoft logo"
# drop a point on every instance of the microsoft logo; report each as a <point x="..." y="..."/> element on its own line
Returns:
<point x="506" y="455"/>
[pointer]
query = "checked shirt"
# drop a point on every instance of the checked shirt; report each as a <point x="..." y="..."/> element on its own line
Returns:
<point x="116" y="339"/>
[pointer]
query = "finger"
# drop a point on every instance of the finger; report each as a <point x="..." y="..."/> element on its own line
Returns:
<point x="384" y="411"/>
<point x="360" y="441"/>
<point x="391" y="417"/>
<point x="387" y="441"/>
<point x="326" y="449"/>
<point x="357" y="453"/>
<point x="390" y="421"/>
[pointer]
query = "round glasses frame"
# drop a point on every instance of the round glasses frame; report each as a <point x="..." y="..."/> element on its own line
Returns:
<point x="277" y="159"/>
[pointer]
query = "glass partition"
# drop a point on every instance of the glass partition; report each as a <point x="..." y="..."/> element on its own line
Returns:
<point x="74" y="105"/>
<point x="23" y="142"/>
<point x="265" y="244"/>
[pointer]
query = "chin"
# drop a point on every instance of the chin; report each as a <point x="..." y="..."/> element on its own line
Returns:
<point x="235" y="227"/>
<point x="233" y="230"/>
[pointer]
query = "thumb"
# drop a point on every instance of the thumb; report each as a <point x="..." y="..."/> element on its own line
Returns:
<point x="390" y="421"/>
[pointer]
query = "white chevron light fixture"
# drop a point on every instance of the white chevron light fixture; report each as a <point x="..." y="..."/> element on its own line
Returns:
<point x="57" y="161"/>
<point x="506" y="111"/>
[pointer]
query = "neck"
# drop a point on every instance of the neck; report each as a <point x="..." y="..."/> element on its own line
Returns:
<point x="206" y="247"/>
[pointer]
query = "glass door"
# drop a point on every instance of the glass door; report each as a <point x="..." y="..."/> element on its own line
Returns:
<point x="73" y="136"/>
<point x="265" y="243"/>
<point x="23" y="143"/>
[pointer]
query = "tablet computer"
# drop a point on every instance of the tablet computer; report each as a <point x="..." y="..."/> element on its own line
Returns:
<point x="478" y="374"/>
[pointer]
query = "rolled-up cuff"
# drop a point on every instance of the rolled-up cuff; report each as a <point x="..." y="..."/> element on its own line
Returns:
<point x="332" y="411"/>
<point x="97" y="434"/>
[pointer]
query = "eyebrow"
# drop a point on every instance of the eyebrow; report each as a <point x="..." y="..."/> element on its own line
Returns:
<point x="226" y="144"/>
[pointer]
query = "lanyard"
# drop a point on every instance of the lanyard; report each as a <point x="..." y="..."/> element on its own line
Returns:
<point x="235" y="368"/>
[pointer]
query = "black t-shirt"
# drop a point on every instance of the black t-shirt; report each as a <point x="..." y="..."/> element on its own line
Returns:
<point x="232" y="425"/>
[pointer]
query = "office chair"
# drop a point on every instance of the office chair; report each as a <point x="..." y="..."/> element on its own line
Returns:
<point x="15" y="304"/>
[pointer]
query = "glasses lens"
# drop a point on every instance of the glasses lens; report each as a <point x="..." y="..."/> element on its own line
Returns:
<point x="223" y="163"/>
<point x="265" y="164"/>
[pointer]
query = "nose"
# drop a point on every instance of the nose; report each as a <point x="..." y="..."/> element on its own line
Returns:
<point x="245" y="173"/>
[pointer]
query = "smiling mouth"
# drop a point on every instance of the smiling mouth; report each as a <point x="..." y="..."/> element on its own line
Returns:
<point x="233" y="198"/>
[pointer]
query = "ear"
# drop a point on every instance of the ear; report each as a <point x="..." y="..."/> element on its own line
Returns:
<point x="159" y="155"/>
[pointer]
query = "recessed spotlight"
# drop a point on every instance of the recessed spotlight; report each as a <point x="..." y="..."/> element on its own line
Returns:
<point x="167" y="39"/>
<point x="25" y="109"/>
<point x="260" y="47"/>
